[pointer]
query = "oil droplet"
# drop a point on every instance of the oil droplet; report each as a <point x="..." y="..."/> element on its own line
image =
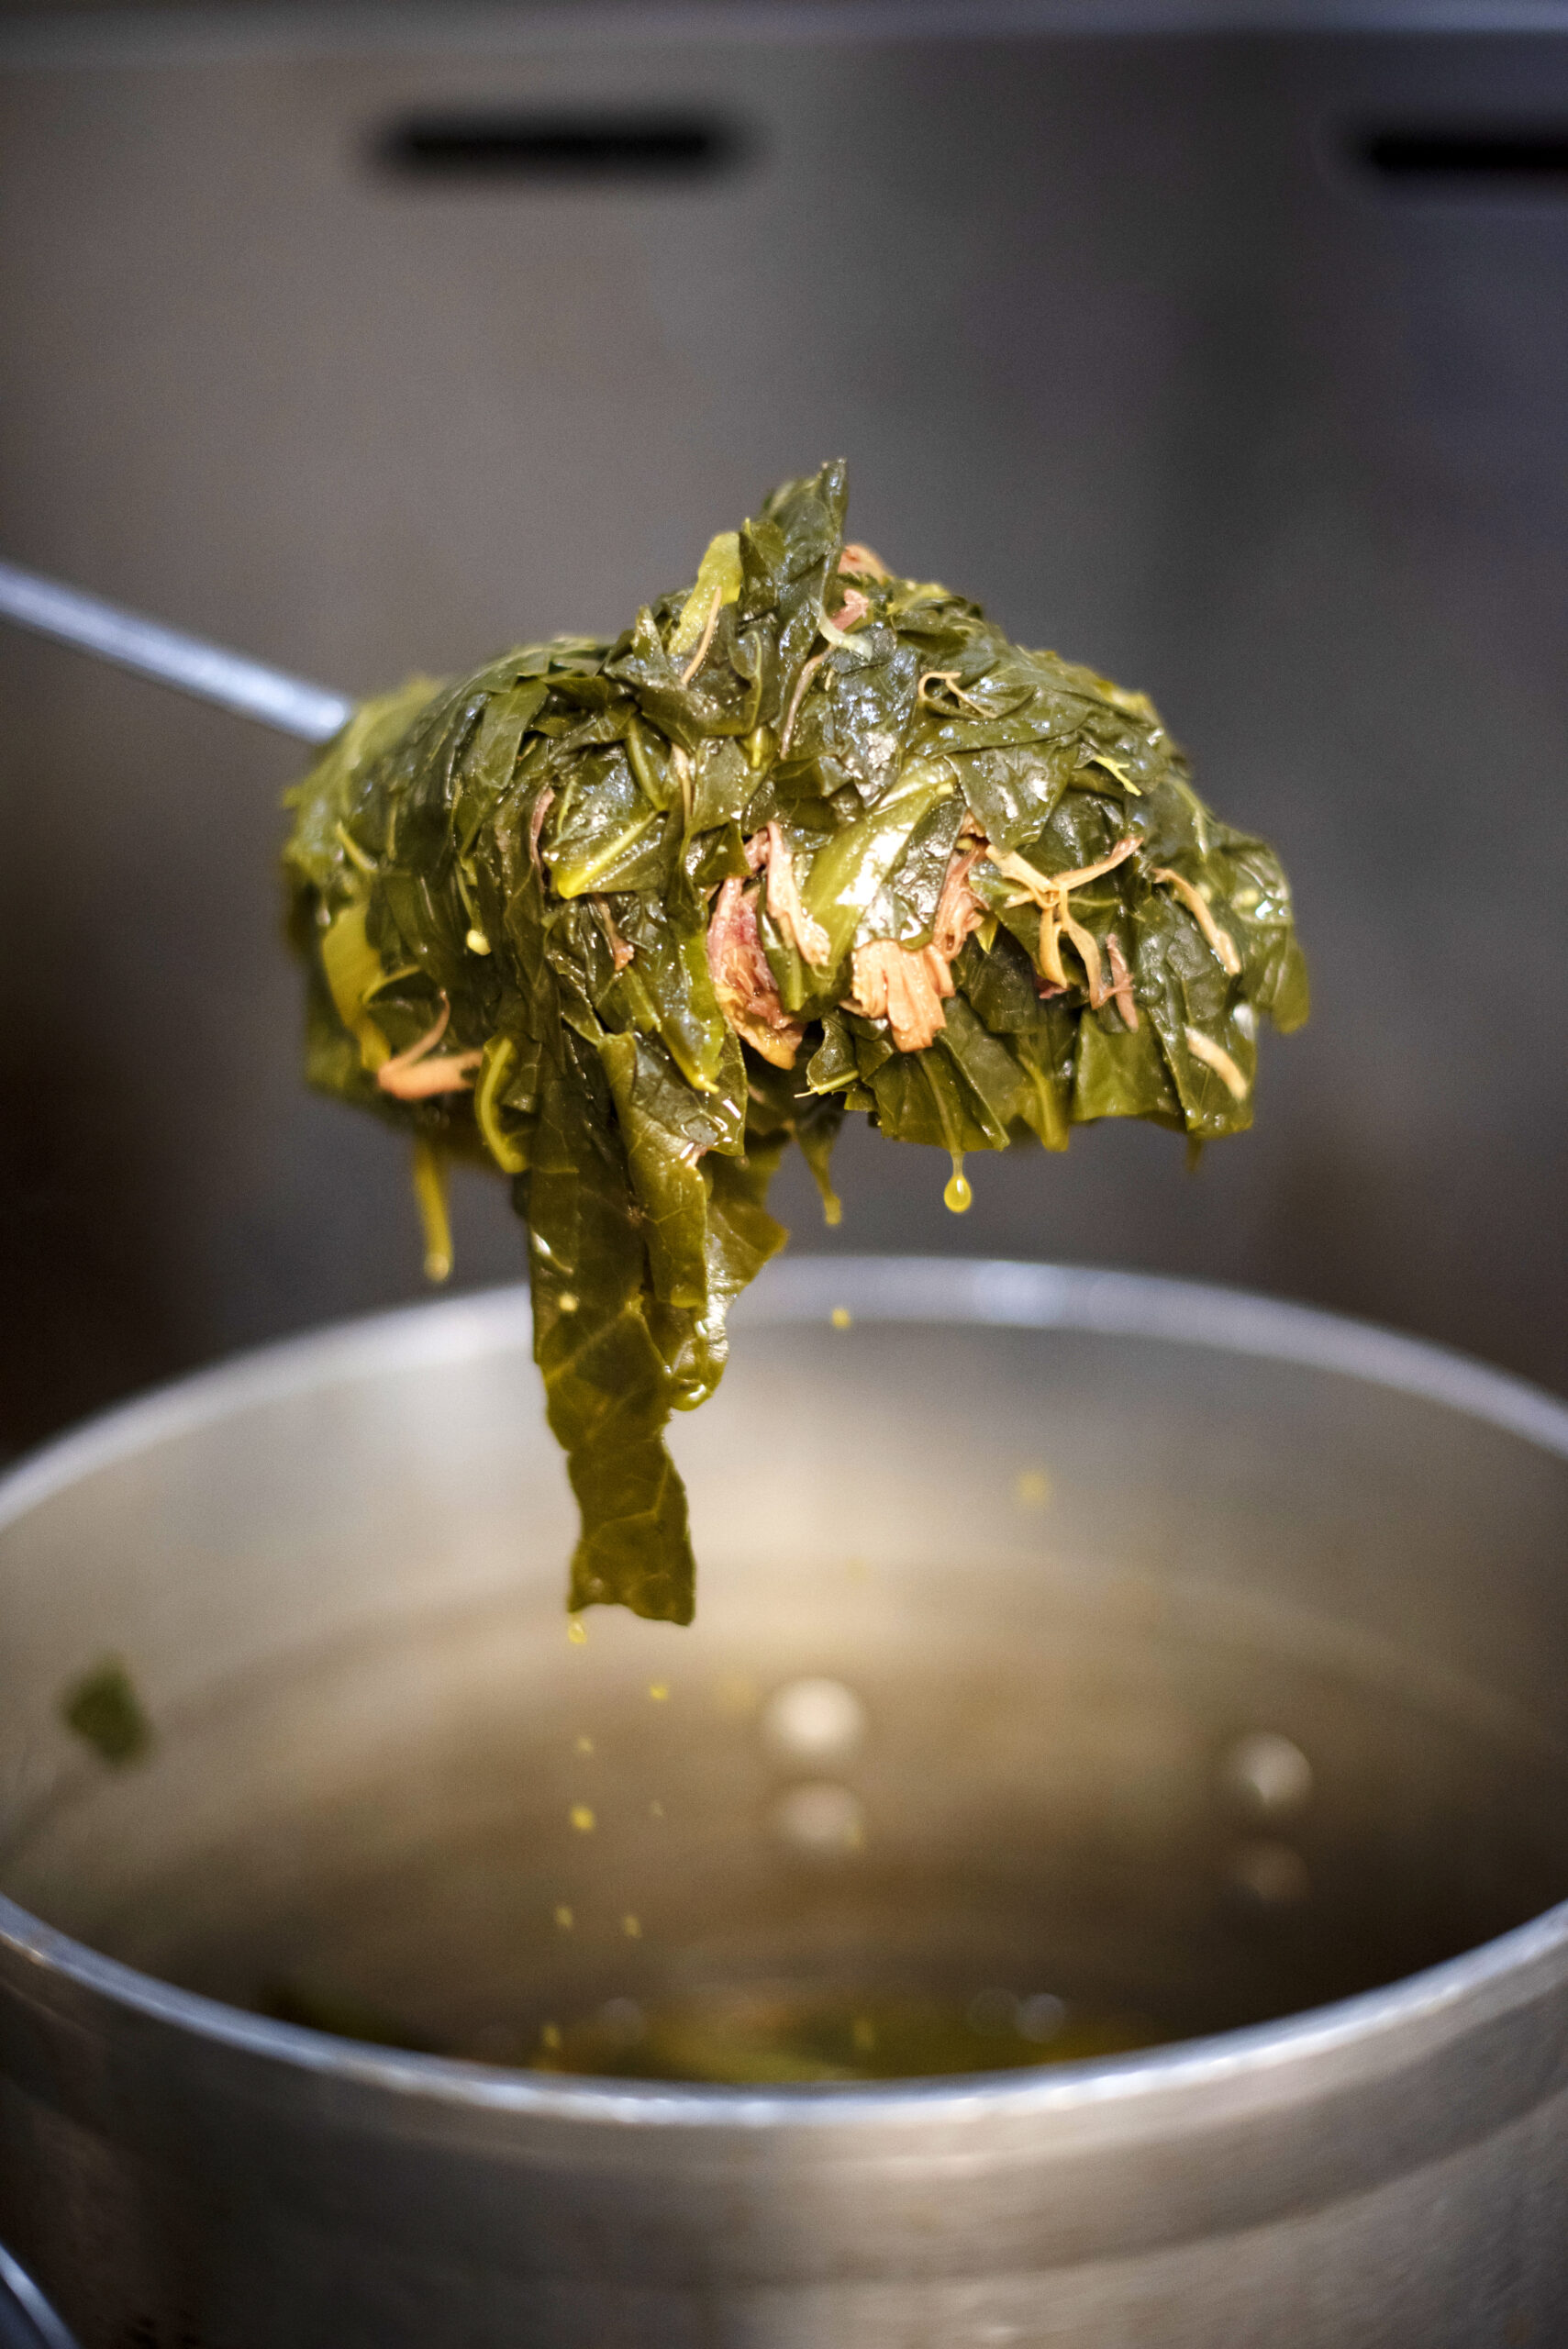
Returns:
<point x="584" y="1745"/>
<point x="624" y="2020"/>
<point x="839" y="1316"/>
<point x="581" y="1818"/>
<point x="1270" y="1875"/>
<point x="1040" y="2018"/>
<point x="659" y="1690"/>
<point x="1268" y="1774"/>
<point x="956" y="1193"/>
<point x="550" y="2035"/>
<point x="820" y="1816"/>
<point x="565" y="1918"/>
<point x="577" y="1631"/>
<point x="567" y="1301"/>
<point x="476" y="942"/>
<point x="632" y="1927"/>
<point x="814" y="1720"/>
<point x="1031" y="1488"/>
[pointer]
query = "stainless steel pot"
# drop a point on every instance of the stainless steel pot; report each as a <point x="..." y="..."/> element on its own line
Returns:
<point x="1195" y="1657"/>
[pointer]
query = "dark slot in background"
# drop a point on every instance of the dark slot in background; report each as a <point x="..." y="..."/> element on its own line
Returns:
<point x="573" y="148"/>
<point x="1495" y="158"/>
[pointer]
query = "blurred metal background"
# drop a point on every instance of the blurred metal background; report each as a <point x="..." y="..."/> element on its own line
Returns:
<point x="1173" y="348"/>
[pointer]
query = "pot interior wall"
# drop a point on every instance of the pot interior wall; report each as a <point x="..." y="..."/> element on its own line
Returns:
<point x="1050" y="1693"/>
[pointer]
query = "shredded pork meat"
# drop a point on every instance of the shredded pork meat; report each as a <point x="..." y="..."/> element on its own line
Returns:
<point x="743" y="981"/>
<point x="1120" y="990"/>
<point x="907" y="986"/>
<point x="620" y="952"/>
<point x="421" y="1073"/>
<point x="904" y="986"/>
<point x="851" y="611"/>
<point x="811" y="940"/>
<point x="959" y="910"/>
<point x="542" y="806"/>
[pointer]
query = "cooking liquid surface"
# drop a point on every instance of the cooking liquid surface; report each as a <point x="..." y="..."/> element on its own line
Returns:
<point x="760" y="2038"/>
<point x="784" y="2039"/>
<point x="609" y="1850"/>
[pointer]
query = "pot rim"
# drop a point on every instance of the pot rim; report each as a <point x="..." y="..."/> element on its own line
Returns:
<point x="976" y="1291"/>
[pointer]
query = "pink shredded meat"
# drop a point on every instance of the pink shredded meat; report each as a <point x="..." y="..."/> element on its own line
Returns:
<point x="1120" y="990"/>
<point x="959" y="910"/>
<point x="541" y="809"/>
<point x="811" y="940"/>
<point x="421" y="1073"/>
<point x="743" y="980"/>
<point x="903" y="986"/>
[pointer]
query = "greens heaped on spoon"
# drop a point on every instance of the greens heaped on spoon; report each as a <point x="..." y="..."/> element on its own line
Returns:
<point x="622" y="920"/>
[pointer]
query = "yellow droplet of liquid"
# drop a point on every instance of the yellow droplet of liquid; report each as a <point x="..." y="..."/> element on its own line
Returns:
<point x="584" y="1745"/>
<point x="565" y="1918"/>
<point x="577" y="1631"/>
<point x="550" y="2036"/>
<point x="476" y="942"/>
<point x="567" y="1301"/>
<point x="430" y="1197"/>
<point x="840" y="1317"/>
<point x="659" y="1690"/>
<point x="957" y="1194"/>
<point x="581" y="1818"/>
<point x="1031" y="1488"/>
<point x="632" y="1927"/>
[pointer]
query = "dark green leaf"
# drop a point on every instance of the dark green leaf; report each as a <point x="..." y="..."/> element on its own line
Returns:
<point x="532" y="937"/>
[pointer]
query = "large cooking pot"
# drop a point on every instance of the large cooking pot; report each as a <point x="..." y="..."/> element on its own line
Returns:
<point x="1100" y="1661"/>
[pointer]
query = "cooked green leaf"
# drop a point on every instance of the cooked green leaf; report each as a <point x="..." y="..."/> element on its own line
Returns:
<point x="621" y="921"/>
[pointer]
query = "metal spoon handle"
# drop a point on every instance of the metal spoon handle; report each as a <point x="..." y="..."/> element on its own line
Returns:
<point x="291" y="704"/>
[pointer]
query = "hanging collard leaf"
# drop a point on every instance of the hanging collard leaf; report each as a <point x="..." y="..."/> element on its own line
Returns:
<point x="623" y="920"/>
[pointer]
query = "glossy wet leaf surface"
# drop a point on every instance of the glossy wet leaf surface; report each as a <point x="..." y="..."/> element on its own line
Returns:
<point x="623" y="922"/>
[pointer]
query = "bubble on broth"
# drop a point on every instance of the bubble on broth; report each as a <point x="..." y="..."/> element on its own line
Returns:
<point x="814" y="1720"/>
<point x="820" y="1816"/>
<point x="1268" y="1774"/>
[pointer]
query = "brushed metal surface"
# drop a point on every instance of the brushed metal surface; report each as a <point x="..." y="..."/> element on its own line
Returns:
<point x="211" y="673"/>
<point x="1072" y="1540"/>
<point x="27" y="2321"/>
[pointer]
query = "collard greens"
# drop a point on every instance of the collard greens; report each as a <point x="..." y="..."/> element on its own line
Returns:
<point x="623" y="920"/>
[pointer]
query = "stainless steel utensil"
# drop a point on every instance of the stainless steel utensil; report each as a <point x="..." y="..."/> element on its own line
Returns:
<point x="27" y="2320"/>
<point x="1203" y="1655"/>
<point x="291" y="705"/>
